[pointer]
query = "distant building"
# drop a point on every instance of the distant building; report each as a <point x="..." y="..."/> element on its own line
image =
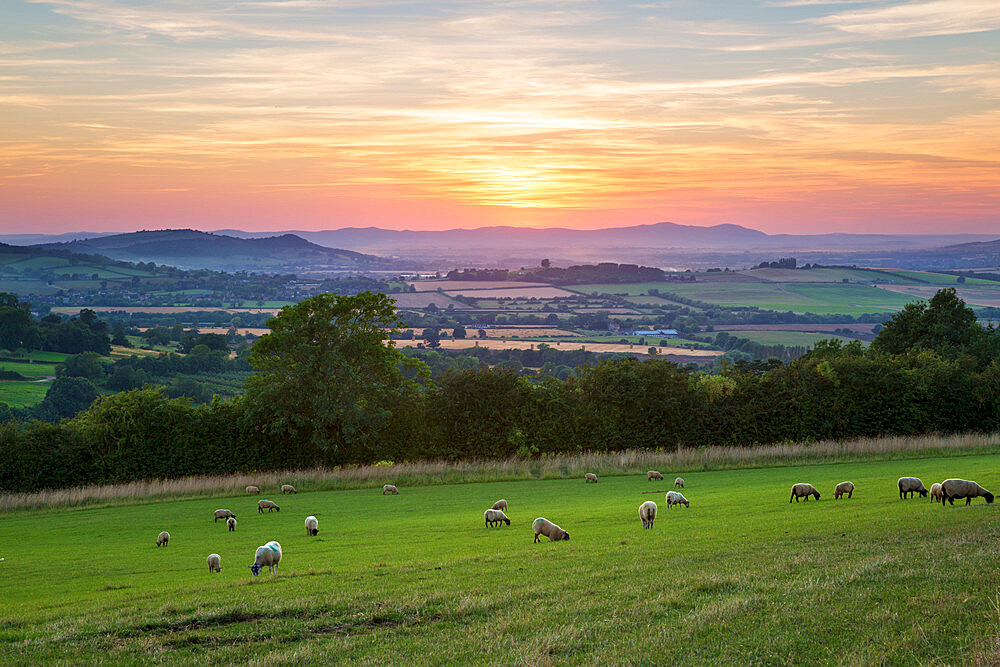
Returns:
<point x="665" y="333"/>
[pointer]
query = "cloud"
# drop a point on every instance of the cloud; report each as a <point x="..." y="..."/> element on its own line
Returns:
<point x="917" y="19"/>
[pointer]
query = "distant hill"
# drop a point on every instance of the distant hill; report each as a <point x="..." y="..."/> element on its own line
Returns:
<point x="191" y="249"/>
<point x="984" y="250"/>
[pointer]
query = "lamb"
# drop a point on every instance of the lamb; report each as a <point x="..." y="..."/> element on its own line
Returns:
<point x="590" y="477"/>
<point x="548" y="529"/>
<point x="842" y="488"/>
<point x="223" y="514"/>
<point x="162" y="539"/>
<point x="647" y="512"/>
<point x="253" y="489"/>
<point x="268" y="555"/>
<point x="653" y="474"/>
<point x="500" y="505"/>
<point x="937" y="493"/>
<point x="214" y="563"/>
<point x="231" y="522"/>
<point x="679" y="483"/>
<point x="676" y="498"/>
<point x="389" y="488"/>
<point x="803" y="490"/>
<point x="495" y="517"/>
<point x="910" y="485"/>
<point x="312" y="526"/>
<point x="287" y="488"/>
<point x="963" y="488"/>
<point x="266" y="504"/>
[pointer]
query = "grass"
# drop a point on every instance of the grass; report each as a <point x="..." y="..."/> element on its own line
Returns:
<point x="783" y="337"/>
<point x="22" y="394"/>
<point x="822" y="299"/>
<point x="29" y="370"/>
<point x="742" y="576"/>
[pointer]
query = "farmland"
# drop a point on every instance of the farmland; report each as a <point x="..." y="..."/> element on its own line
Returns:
<point x="742" y="576"/>
<point x="600" y="348"/>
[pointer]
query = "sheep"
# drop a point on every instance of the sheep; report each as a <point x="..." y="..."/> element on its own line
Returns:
<point x="214" y="563"/>
<point x="676" y="498"/>
<point x="223" y="514"/>
<point x="287" y="488"/>
<point x="495" y="517"/>
<point x="679" y="483"/>
<point x="253" y="489"/>
<point x="647" y="512"/>
<point x="590" y="477"/>
<point x="653" y="474"/>
<point x="389" y="488"/>
<point x="936" y="492"/>
<point x="312" y="526"/>
<point x="268" y="555"/>
<point x="231" y="523"/>
<point x="842" y="488"/>
<point x="803" y="490"/>
<point x="910" y="485"/>
<point x="266" y="504"/>
<point x="500" y="505"/>
<point x="548" y="529"/>
<point x="162" y="539"/>
<point x="963" y="488"/>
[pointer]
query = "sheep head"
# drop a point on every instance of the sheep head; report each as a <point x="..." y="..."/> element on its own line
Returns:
<point x="255" y="569"/>
<point x="989" y="498"/>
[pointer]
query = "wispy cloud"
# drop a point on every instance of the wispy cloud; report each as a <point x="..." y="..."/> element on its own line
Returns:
<point x="917" y="19"/>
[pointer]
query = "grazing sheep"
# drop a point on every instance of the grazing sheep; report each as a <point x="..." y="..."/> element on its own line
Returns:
<point x="679" y="483"/>
<point x="590" y="477"/>
<point x="548" y="529"/>
<point x="910" y="485"/>
<point x="963" y="488"/>
<point x="312" y="526"/>
<point x="936" y="492"/>
<point x="803" y="490"/>
<point x="495" y="517"/>
<point x="389" y="488"/>
<point x="647" y="512"/>
<point x="266" y="504"/>
<point x="500" y="505"/>
<point x="287" y="488"/>
<point x="214" y="563"/>
<point x="231" y="522"/>
<point x="223" y="514"/>
<point x="653" y="474"/>
<point x="268" y="555"/>
<point x="253" y="489"/>
<point x="842" y="488"/>
<point x="162" y="539"/>
<point x="676" y="498"/>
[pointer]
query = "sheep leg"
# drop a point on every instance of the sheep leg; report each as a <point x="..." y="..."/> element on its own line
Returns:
<point x="536" y="538"/>
<point x="968" y="500"/>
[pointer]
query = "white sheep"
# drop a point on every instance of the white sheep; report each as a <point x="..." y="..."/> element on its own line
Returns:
<point x="268" y="555"/>
<point x="495" y="518"/>
<point x="590" y="477"/>
<point x="253" y="489"/>
<point x="548" y="529"/>
<point x="223" y="514"/>
<point x="231" y="523"/>
<point x="936" y="492"/>
<point x="679" y="483"/>
<point x="214" y="563"/>
<point x="676" y="498"/>
<point x="803" y="490"/>
<point x="842" y="488"/>
<point x="910" y="485"/>
<point x="162" y="539"/>
<point x="389" y="488"/>
<point x="500" y="505"/>
<point x="268" y="505"/>
<point x="647" y="512"/>
<point x="312" y="526"/>
<point x="653" y="474"/>
<point x="963" y="488"/>
<point x="287" y="488"/>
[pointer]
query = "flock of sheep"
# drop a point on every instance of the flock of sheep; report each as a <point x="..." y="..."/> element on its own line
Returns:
<point x="949" y="490"/>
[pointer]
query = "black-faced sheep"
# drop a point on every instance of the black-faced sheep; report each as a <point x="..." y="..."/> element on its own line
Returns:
<point x="548" y="529"/>
<point x="312" y="526"/>
<point x="647" y="512"/>
<point x="389" y="488"/>
<point x="268" y="555"/>
<point x="963" y="488"/>
<point x="287" y="488"/>
<point x="162" y="539"/>
<point x="495" y="518"/>
<point x="590" y="477"/>
<point x="936" y="492"/>
<point x="500" y="505"/>
<point x="910" y="485"/>
<point x="268" y="505"/>
<point x="231" y="524"/>
<point x="676" y="498"/>
<point x="214" y="563"/>
<point x="803" y="490"/>
<point x="223" y="514"/>
<point x="842" y="488"/>
<point x="679" y="483"/>
<point x="253" y="489"/>
<point x="653" y="474"/>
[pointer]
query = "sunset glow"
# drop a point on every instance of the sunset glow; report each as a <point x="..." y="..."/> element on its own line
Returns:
<point x="794" y="116"/>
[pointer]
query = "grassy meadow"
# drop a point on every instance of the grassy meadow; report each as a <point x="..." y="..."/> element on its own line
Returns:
<point x="741" y="576"/>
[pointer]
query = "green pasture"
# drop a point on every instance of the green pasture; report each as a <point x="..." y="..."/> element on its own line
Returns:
<point x="770" y="337"/>
<point x="741" y="577"/>
<point x="22" y="393"/>
<point x="942" y="279"/>
<point x="29" y="370"/>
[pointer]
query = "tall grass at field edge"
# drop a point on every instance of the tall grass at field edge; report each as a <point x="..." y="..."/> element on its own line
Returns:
<point x="424" y="473"/>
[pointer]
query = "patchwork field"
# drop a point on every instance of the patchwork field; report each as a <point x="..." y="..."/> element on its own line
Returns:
<point x="742" y="576"/>
<point x="452" y="285"/>
<point x="822" y="299"/>
<point x="494" y="344"/>
<point x="546" y="292"/>
<point x="982" y="296"/>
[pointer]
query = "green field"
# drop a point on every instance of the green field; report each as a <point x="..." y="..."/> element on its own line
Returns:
<point x="771" y="337"/>
<point x="22" y="394"/>
<point x="742" y="576"/>
<point x="822" y="299"/>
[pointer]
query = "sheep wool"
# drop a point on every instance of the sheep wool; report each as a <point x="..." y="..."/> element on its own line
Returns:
<point x="548" y="529"/>
<point x="842" y="488"/>
<point x="590" y="477"/>
<point x="287" y="488"/>
<point x="500" y="505"/>
<point x="231" y="523"/>
<point x="936" y="492"/>
<point x="647" y="513"/>
<point x="910" y="485"/>
<point x="389" y="488"/>
<point x="268" y="555"/>
<point x="653" y="474"/>
<point x="214" y="563"/>
<point x="223" y="514"/>
<point x="312" y="526"/>
<point x="803" y="490"/>
<point x="162" y="539"/>
<point x="679" y="483"/>
<point x="495" y="518"/>
<point x="253" y="489"/>
<point x="268" y="505"/>
<point x="963" y="488"/>
<point x="676" y="498"/>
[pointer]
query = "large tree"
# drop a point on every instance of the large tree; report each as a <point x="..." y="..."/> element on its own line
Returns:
<point x="327" y="377"/>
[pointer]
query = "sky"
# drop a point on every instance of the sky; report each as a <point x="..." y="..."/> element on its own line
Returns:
<point x="788" y="116"/>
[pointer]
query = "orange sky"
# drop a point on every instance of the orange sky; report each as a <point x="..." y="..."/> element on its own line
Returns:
<point x="798" y="116"/>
